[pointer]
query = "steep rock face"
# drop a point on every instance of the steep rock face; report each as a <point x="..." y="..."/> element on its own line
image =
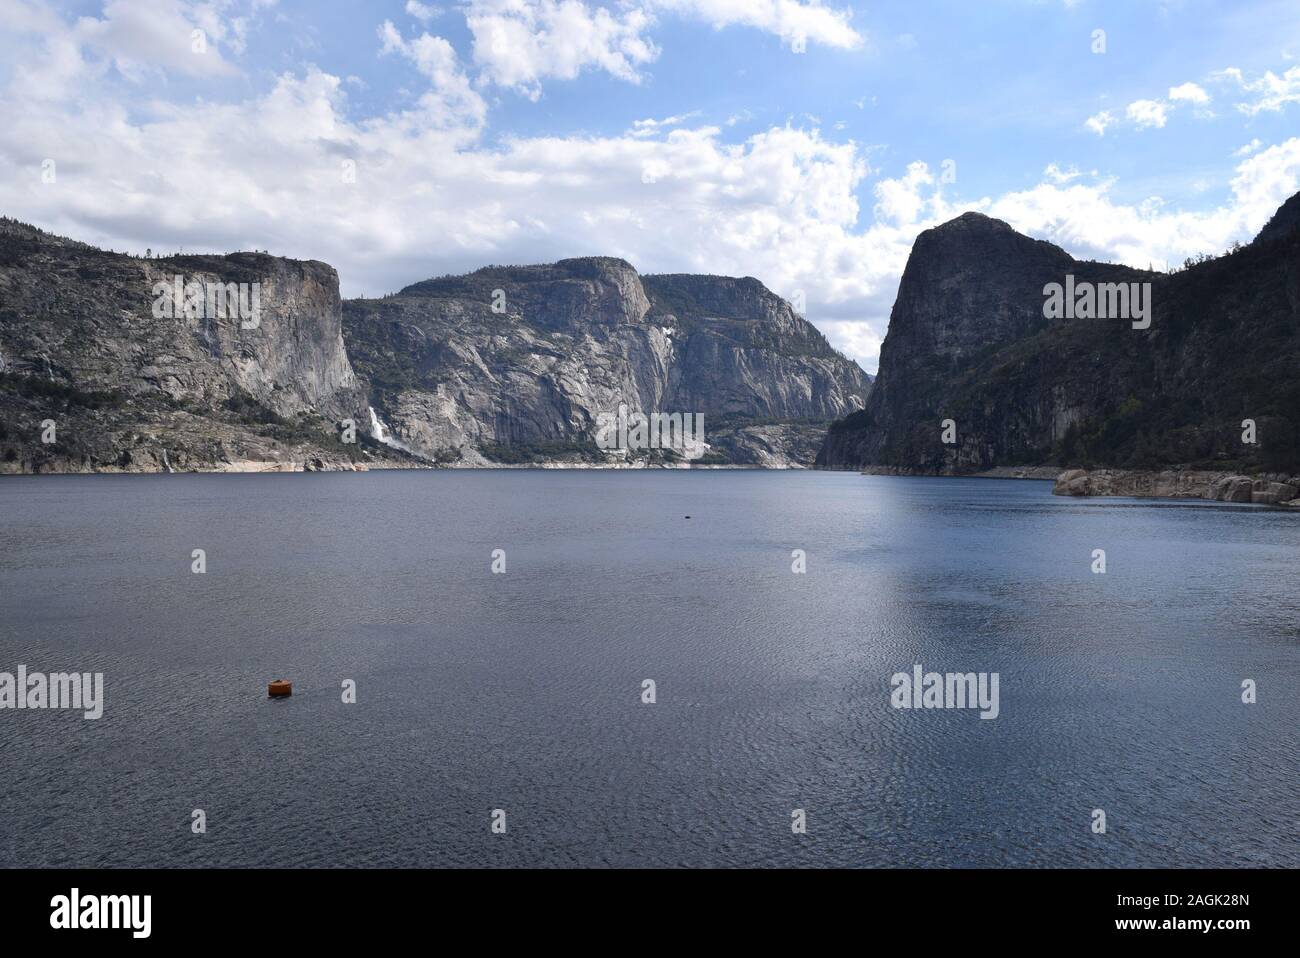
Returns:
<point x="81" y="345"/>
<point x="968" y="341"/>
<point x="516" y="363"/>
<point x="741" y="351"/>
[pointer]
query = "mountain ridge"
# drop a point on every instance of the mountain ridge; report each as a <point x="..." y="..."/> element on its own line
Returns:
<point x="504" y="357"/>
<point x="132" y="387"/>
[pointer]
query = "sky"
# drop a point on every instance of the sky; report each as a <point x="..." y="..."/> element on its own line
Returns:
<point x="802" y="142"/>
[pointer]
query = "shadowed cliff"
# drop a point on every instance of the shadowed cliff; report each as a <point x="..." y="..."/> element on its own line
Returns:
<point x="968" y="341"/>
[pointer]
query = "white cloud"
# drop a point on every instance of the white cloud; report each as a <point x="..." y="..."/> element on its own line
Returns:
<point x="1100" y="122"/>
<point x="791" y="20"/>
<point x="1148" y="113"/>
<point x="1058" y="175"/>
<point x="422" y="11"/>
<point x="1087" y="222"/>
<point x="1248" y="148"/>
<point x="139" y="35"/>
<point x="450" y="100"/>
<point x="139" y="39"/>
<point x="1188" y="93"/>
<point x="650" y="127"/>
<point x="901" y="199"/>
<point x="856" y="339"/>
<point x="518" y="43"/>
<point x="1270" y="92"/>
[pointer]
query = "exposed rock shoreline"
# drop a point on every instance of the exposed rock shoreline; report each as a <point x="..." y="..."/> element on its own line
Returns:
<point x="1275" y="489"/>
<point x="156" y="466"/>
<point x="1268" y="489"/>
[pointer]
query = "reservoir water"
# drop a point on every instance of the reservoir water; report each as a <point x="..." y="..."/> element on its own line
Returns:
<point x="523" y="690"/>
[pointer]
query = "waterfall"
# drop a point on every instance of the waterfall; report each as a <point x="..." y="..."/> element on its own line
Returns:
<point x="381" y="433"/>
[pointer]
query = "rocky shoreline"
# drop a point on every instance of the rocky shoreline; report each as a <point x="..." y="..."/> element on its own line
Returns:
<point x="62" y="467"/>
<point x="147" y="467"/>
<point x="1268" y="489"/>
<point x="1274" y="489"/>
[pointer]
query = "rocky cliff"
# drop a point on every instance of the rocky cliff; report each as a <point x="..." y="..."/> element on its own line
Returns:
<point x="970" y="341"/>
<point x="247" y="361"/>
<point x="517" y="364"/>
<point x="111" y="362"/>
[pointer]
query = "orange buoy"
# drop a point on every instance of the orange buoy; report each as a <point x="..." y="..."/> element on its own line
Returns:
<point x="279" y="689"/>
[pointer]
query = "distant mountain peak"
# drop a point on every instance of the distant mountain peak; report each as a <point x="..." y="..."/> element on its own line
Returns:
<point x="973" y="219"/>
<point x="600" y="262"/>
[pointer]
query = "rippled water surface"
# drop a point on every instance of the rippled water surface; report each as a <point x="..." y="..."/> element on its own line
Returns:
<point x="522" y="691"/>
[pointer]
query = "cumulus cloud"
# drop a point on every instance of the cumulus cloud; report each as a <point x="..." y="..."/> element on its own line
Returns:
<point x="139" y="40"/>
<point x="139" y="35"/>
<point x="1100" y="122"/>
<point x="1147" y="113"/>
<point x="858" y="340"/>
<point x="1085" y="220"/>
<point x="1188" y="93"/>
<point x="422" y="11"/>
<point x="451" y="99"/>
<point x="518" y="43"/>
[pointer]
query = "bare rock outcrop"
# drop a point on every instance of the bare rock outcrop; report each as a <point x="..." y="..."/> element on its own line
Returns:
<point x="1273" y="489"/>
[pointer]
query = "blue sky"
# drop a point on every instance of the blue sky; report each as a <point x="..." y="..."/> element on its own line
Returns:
<point x="805" y="143"/>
